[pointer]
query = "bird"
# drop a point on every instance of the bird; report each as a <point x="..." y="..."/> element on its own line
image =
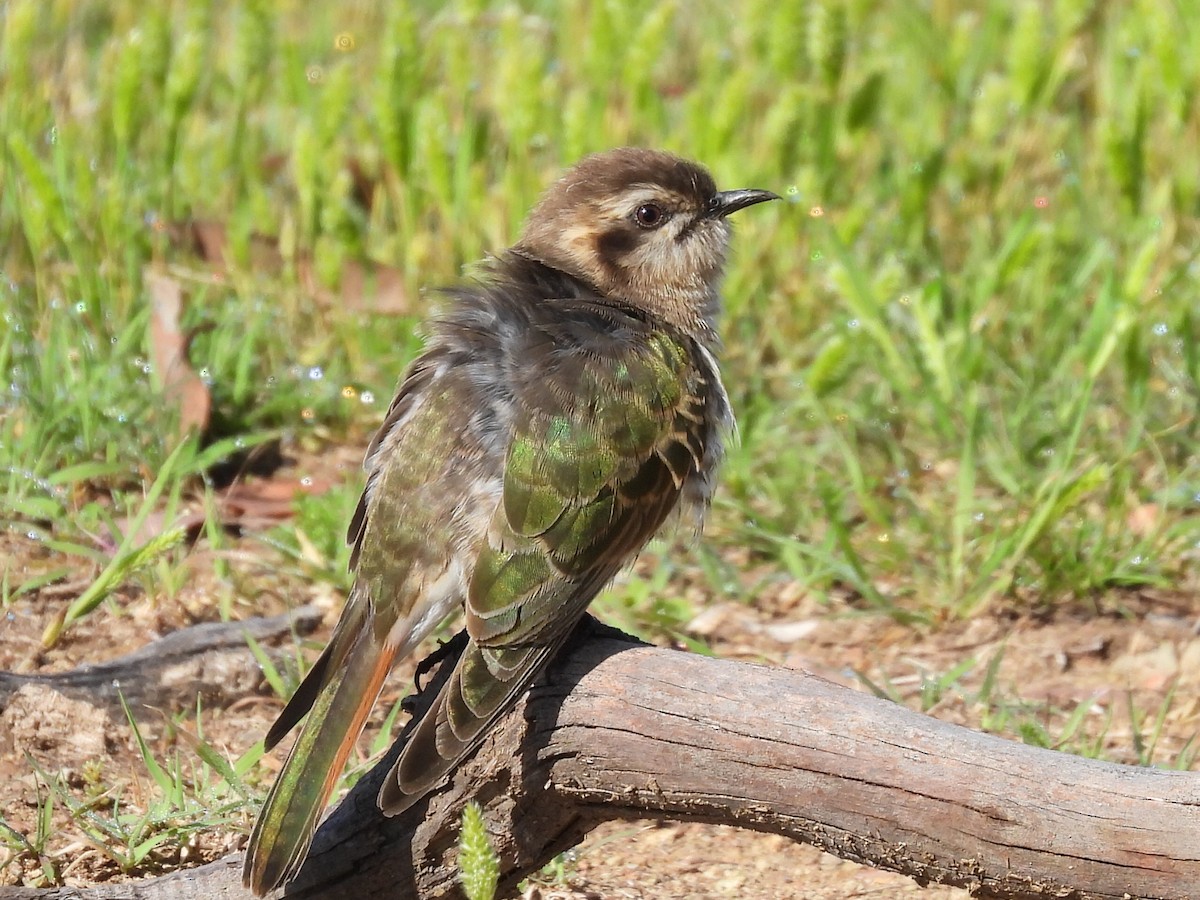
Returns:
<point x="567" y="403"/>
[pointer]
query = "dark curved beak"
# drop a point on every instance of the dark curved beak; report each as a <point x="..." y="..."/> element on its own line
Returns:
<point x="727" y="202"/>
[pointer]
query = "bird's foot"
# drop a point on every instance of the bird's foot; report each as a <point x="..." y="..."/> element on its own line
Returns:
<point x="446" y="650"/>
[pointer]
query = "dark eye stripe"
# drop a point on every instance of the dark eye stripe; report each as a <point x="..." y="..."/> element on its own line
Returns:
<point x="612" y="245"/>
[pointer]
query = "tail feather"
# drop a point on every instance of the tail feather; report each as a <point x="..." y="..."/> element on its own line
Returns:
<point x="285" y="826"/>
<point x="301" y="701"/>
<point x="483" y="687"/>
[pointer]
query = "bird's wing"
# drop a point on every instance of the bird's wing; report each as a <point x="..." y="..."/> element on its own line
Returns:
<point x="603" y="441"/>
<point x="408" y="577"/>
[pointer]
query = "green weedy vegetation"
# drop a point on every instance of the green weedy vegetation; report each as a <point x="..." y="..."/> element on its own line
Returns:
<point x="479" y="869"/>
<point x="982" y="347"/>
<point x="965" y="358"/>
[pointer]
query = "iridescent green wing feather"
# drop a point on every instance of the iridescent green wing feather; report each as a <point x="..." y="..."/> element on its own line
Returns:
<point x="601" y="448"/>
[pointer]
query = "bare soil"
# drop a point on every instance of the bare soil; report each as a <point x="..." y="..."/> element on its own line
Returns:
<point x="1129" y="669"/>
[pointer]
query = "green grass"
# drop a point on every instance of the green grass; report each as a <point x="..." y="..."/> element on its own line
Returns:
<point x="141" y="823"/>
<point x="982" y="345"/>
<point x="965" y="356"/>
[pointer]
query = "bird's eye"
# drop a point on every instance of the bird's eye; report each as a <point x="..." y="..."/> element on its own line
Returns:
<point x="649" y="216"/>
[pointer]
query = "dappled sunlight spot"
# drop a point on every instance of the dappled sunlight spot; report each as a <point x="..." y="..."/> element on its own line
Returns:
<point x="36" y="480"/>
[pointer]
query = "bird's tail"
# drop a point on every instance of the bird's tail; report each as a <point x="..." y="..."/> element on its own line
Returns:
<point x="485" y="684"/>
<point x="285" y="826"/>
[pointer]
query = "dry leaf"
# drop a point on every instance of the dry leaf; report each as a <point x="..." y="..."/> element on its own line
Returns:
<point x="245" y="505"/>
<point x="262" y="503"/>
<point x="1143" y="520"/>
<point x="169" y="347"/>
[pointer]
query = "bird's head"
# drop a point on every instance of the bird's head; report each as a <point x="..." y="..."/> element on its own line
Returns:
<point x="641" y="226"/>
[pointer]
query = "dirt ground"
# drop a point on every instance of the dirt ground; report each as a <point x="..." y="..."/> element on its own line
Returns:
<point x="1136" y="651"/>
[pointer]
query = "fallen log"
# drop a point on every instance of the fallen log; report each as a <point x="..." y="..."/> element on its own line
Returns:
<point x="620" y="730"/>
<point x="211" y="661"/>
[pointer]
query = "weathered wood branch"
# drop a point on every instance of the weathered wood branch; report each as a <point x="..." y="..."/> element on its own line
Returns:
<point x="211" y="661"/>
<point x="620" y="730"/>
